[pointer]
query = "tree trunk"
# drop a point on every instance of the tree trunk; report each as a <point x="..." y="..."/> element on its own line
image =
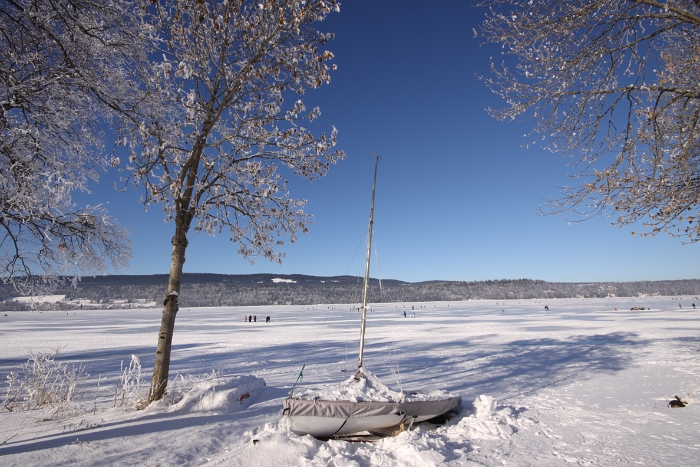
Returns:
<point x="161" y="368"/>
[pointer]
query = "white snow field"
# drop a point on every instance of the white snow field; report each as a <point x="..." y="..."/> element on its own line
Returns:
<point x="585" y="383"/>
<point x="40" y="299"/>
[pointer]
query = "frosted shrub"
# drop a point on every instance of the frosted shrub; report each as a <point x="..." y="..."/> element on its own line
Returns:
<point x="13" y="393"/>
<point x="130" y="390"/>
<point x="46" y="384"/>
<point x="53" y="386"/>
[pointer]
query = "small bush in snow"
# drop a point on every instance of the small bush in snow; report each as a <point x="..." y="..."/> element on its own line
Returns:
<point x="46" y="384"/>
<point x="130" y="390"/>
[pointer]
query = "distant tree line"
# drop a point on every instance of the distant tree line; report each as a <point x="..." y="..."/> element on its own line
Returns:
<point x="260" y="289"/>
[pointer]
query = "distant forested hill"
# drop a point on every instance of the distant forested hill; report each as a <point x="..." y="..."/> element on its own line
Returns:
<point x="296" y="289"/>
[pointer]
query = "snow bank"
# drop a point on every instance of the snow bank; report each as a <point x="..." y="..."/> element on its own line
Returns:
<point x="368" y="389"/>
<point x="484" y="406"/>
<point x="224" y="394"/>
<point x="453" y="444"/>
<point x="488" y="422"/>
<point x="424" y="447"/>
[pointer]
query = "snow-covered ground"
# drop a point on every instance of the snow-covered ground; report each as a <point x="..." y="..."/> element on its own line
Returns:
<point x="585" y="383"/>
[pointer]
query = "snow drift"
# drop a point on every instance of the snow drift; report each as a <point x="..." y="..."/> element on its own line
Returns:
<point x="224" y="394"/>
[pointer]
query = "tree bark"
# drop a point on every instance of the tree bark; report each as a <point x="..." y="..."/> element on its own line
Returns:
<point x="161" y="368"/>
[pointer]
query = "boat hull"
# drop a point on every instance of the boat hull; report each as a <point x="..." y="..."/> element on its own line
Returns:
<point x="323" y="419"/>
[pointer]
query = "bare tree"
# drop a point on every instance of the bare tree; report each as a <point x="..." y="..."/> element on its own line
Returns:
<point x="213" y="144"/>
<point x="616" y="85"/>
<point x="62" y="73"/>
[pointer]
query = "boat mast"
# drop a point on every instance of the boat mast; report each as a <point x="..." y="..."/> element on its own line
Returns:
<point x="366" y="285"/>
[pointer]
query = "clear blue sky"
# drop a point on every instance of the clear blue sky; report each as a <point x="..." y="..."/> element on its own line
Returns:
<point x="457" y="195"/>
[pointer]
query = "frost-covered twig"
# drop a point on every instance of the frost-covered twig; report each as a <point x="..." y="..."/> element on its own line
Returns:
<point x="129" y="391"/>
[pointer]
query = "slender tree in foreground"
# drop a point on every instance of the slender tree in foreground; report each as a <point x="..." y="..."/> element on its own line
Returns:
<point x="62" y="74"/>
<point x="214" y="142"/>
<point x="616" y="85"/>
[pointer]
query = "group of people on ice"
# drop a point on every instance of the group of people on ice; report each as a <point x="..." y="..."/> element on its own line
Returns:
<point x="254" y="319"/>
<point x="412" y="315"/>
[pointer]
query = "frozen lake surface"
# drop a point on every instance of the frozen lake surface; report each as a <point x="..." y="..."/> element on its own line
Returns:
<point x="585" y="383"/>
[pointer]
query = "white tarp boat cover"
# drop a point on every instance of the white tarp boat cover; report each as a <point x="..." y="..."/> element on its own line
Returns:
<point x="362" y="403"/>
<point x="327" y="418"/>
<point x="349" y="409"/>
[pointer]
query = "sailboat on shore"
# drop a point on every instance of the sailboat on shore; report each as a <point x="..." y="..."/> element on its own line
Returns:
<point x="362" y="404"/>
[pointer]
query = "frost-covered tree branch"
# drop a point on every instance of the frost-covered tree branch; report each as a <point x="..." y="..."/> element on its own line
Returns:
<point x="63" y="72"/>
<point x="615" y="85"/>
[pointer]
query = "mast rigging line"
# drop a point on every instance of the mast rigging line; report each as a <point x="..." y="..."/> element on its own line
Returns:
<point x="318" y="334"/>
<point x="363" y="239"/>
<point x="395" y="370"/>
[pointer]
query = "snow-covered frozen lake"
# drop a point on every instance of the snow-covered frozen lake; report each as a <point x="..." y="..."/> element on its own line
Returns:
<point x="585" y="383"/>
